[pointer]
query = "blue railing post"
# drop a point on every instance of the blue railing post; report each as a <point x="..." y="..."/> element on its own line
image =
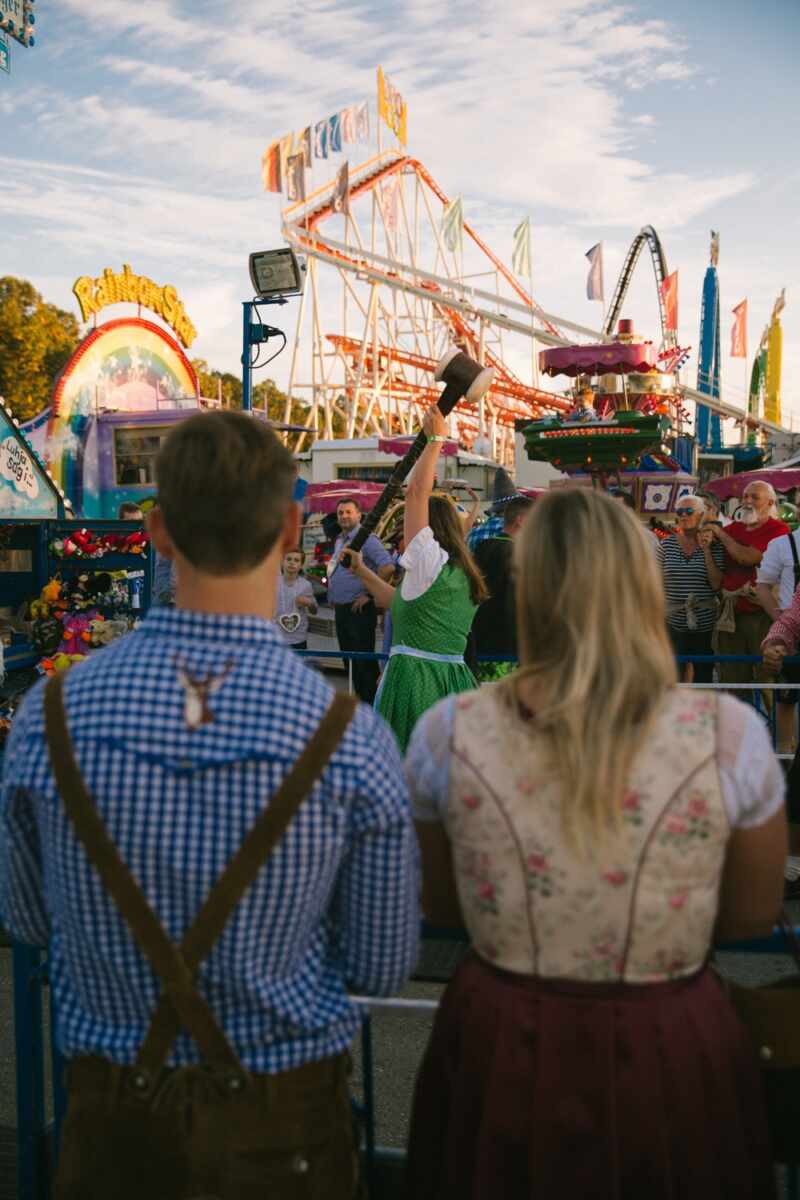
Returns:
<point x="32" y="1180"/>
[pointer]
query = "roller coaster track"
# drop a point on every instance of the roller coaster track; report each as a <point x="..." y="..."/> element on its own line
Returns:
<point x="646" y="234"/>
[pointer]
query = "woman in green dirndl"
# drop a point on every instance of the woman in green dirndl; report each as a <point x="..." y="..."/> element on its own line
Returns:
<point x="433" y="607"/>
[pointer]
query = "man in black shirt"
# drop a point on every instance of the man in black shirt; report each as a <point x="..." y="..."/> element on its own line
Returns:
<point x="494" y="625"/>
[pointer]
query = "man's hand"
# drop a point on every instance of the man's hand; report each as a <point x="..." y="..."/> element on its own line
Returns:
<point x="305" y="602"/>
<point x="705" y="537"/>
<point x="360" y="602"/>
<point x="774" y="654"/>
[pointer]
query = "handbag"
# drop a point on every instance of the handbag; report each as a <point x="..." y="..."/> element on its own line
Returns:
<point x="771" y="1014"/>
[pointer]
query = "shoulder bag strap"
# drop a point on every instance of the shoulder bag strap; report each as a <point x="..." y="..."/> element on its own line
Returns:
<point x="795" y="559"/>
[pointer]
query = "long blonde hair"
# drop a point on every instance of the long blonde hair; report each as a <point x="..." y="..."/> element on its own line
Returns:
<point x="593" y="642"/>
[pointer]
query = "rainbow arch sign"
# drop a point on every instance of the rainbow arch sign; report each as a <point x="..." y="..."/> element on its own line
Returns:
<point x="129" y="365"/>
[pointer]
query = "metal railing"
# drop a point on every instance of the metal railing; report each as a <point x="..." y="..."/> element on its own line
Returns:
<point x="37" y="1138"/>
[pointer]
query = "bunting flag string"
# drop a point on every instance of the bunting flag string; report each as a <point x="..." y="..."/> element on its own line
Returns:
<point x="739" y="331"/>
<point x="321" y="139"/>
<point x="302" y="145"/>
<point x="521" y="253"/>
<point x="286" y="149"/>
<point x="362" y="122"/>
<point x="296" y="177"/>
<point x="348" y="123"/>
<point x="335" y="133"/>
<point x="453" y="225"/>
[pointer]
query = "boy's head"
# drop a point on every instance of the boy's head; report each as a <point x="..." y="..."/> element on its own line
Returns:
<point x="293" y="561"/>
<point x="129" y="510"/>
<point x="225" y="487"/>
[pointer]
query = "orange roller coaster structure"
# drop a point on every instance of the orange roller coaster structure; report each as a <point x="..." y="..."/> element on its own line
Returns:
<point x="385" y="296"/>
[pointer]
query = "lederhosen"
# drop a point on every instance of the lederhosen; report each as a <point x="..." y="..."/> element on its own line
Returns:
<point x="214" y="1130"/>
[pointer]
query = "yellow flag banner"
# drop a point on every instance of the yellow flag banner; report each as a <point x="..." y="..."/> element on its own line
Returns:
<point x="772" y="390"/>
<point x="392" y="108"/>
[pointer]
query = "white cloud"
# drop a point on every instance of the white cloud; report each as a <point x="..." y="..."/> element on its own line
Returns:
<point x="645" y="119"/>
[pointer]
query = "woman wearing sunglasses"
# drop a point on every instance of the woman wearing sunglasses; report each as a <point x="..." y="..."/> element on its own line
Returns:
<point x="691" y="566"/>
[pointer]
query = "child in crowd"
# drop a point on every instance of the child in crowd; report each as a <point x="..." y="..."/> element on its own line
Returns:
<point x="295" y="600"/>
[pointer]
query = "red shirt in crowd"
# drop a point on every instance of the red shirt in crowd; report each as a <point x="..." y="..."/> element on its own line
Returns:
<point x="736" y="575"/>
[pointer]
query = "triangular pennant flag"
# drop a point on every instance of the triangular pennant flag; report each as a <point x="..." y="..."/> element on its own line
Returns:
<point x="521" y="254"/>
<point x="594" y="281"/>
<point x="335" y="133"/>
<point x="271" y="168"/>
<point x="669" y="295"/>
<point x="296" y="177"/>
<point x="341" y="192"/>
<point x="362" y="122"/>
<point x="349" y="132"/>
<point x="739" y="331"/>
<point x="321" y="139"/>
<point x="453" y="225"/>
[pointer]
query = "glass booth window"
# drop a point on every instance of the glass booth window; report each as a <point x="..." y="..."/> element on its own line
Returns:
<point x="135" y="453"/>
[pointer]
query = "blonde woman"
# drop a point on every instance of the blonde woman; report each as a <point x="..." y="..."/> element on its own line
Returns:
<point x="594" y="827"/>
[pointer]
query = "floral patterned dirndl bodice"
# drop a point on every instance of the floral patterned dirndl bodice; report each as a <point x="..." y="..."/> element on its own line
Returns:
<point x="641" y="909"/>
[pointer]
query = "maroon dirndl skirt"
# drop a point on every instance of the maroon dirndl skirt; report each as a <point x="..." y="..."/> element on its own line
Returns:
<point x="578" y="1091"/>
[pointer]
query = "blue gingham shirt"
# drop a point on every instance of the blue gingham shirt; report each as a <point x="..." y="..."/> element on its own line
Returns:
<point x="492" y="527"/>
<point x="334" y="909"/>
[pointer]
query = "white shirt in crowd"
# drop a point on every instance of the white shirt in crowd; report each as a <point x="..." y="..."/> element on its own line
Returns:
<point x="777" y="566"/>
<point x="291" y="620"/>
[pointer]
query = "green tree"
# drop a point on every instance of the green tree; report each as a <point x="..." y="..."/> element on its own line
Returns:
<point x="36" y="341"/>
<point x="212" y="382"/>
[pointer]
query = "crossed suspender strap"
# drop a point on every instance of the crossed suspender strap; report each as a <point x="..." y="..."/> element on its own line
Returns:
<point x="180" y="1004"/>
<point x="795" y="559"/>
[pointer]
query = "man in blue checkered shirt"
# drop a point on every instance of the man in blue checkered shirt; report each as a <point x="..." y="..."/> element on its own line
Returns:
<point x="182" y="732"/>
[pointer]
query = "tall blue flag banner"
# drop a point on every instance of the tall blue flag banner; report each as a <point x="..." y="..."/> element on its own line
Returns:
<point x="335" y="133"/>
<point x="321" y="139"/>
<point x="594" y="282"/>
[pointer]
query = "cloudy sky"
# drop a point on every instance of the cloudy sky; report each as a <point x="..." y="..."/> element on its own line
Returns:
<point x="133" y="132"/>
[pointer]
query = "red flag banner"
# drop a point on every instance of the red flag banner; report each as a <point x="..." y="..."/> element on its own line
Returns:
<point x="271" y="168"/>
<point x="669" y="296"/>
<point x="739" y="331"/>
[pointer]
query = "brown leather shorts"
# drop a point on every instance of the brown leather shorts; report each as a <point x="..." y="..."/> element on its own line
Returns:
<point x="203" y="1136"/>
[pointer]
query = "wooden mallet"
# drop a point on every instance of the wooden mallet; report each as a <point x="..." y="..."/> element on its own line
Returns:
<point x="463" y="379"/>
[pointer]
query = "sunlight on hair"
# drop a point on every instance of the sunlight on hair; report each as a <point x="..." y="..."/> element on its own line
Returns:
<point x="595" y="658"/>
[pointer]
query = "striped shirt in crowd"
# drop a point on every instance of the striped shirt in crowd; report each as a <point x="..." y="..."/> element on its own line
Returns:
<point x="684" y="577"/>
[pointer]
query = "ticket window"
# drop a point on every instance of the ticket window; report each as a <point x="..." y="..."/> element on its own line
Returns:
<point x="135" y="453"/>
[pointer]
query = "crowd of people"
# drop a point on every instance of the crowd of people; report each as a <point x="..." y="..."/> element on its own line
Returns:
<point x="220" y="850"/>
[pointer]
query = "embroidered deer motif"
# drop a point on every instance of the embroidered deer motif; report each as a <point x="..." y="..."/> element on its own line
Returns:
<point x="196" y="711"/>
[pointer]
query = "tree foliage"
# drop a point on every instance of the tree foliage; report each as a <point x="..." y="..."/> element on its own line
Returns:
<point x="36" y="341"/>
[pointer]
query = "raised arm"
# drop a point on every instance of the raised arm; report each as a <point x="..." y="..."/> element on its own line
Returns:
<point x="745" y="556"/>
<point x="422" y="480"/>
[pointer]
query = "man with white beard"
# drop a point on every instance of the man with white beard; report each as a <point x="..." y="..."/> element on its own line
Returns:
<point x="743" y="623"/>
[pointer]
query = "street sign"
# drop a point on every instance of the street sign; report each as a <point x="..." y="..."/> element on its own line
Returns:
<point x="5" y="54"/>
<point x="17" y="19"/>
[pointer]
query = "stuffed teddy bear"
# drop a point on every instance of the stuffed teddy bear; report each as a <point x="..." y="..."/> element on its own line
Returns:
<point x="76" y="632"/>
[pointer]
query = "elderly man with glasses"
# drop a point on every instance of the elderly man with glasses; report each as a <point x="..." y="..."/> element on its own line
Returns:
<point x="692" y="565"/>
